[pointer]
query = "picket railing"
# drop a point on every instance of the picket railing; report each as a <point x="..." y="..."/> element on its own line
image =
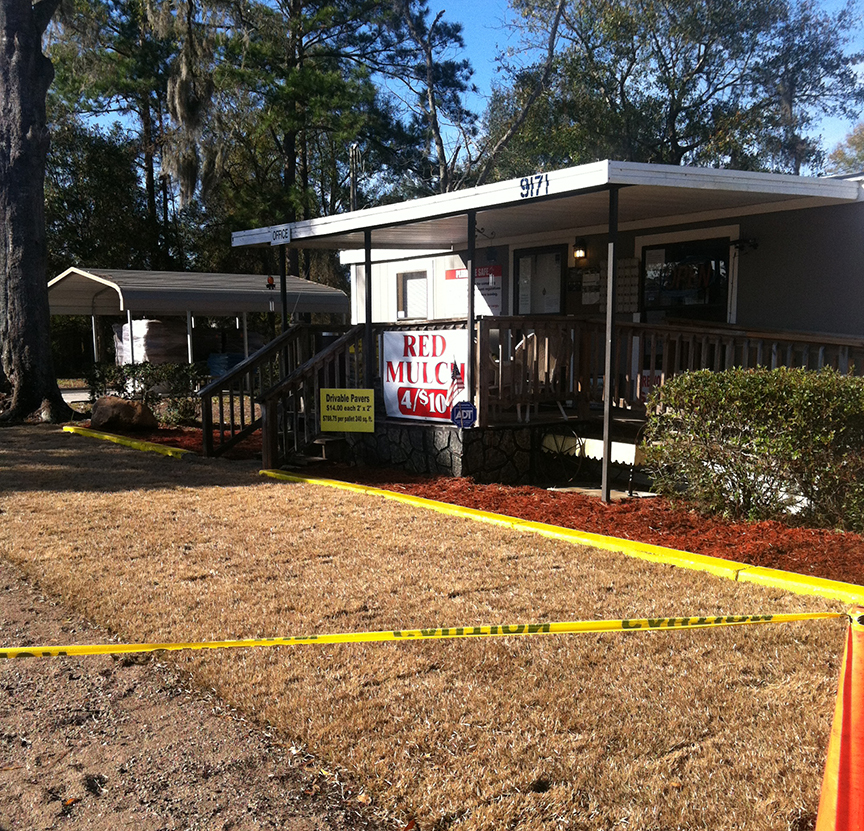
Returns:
<point x="230" y="408"/>
<point x="522" y="363"/>
<point x="525" y="362"/>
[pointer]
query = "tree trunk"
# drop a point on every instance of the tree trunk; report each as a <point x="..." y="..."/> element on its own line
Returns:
<point x="25" y="340"/>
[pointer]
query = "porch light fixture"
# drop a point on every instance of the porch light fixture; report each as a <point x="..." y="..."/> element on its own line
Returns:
<point x="580" y="249"/>
<point x="745" y="244"/>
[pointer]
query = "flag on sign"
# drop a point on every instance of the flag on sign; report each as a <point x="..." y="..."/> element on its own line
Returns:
<point x="457" y="384"/>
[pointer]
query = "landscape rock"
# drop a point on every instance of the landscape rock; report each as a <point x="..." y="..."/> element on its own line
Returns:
<point x="114" y="413"/>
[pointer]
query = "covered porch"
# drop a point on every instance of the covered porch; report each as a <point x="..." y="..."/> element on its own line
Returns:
<point x="535" y="358"/>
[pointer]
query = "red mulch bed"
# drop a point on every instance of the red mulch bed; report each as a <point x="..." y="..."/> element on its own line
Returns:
<point x="830" y="554"/>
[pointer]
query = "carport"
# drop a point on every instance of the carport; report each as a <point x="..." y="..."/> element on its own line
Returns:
<point x="114" y="292"/>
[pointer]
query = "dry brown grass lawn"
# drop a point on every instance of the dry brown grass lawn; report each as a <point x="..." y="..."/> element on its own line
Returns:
<point x="703" y="729"/>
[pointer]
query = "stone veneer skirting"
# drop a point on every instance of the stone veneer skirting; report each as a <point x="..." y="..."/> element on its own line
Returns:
<point x="500" y="454"/>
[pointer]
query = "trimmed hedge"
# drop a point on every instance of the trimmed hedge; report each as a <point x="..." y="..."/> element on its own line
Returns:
<point x="761" y="444"/>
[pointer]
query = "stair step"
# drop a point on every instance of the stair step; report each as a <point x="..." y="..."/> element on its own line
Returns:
<point x="332" y="447"/>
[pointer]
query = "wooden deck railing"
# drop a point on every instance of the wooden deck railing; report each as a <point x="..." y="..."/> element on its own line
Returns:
<point x="522" y="363"/>
<point x="229" y="404"/>
<point x="290" y="409"/>
<point x="525" y="362"/>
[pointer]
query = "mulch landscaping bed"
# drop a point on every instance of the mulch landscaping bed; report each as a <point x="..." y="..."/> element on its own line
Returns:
<point x="816" y="552"/>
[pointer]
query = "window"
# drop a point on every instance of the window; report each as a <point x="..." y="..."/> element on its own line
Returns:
<point x="411" y="295"/>
<point x="539" y="278"/>
<point x="688" y="279"/>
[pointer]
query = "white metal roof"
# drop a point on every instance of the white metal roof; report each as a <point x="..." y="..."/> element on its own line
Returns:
<point x="574" y="198"/>
<point x="108" y="291"/>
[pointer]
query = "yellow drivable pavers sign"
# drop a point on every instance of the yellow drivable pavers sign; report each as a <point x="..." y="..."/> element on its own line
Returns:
<point x="347" y="411"/>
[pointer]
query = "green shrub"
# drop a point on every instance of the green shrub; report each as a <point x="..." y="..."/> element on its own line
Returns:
<point x="180" y="382"/>
<point x="172" y="385"/>
<point x="758" y="444"/>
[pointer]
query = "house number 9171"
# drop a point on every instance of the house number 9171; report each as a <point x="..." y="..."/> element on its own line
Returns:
<point x="536" y="185"/>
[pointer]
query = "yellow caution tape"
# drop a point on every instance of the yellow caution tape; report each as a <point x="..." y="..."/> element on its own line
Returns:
<point x="506" y="630"/>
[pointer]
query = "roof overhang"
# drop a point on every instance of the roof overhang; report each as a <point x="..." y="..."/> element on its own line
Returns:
<point x="116" y="291"/>
<point x="574" y="198"/>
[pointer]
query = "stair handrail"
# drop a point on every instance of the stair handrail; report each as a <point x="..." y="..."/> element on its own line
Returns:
<point x="310" y="365"/>
<point x="264" y="353"/>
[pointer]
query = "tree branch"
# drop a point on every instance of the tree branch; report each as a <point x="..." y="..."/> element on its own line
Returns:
<point x="511" y="131"/>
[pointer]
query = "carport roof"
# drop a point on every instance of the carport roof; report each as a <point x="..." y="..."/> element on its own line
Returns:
<point x="574" y="198"/>
<point x="108" y="291"/>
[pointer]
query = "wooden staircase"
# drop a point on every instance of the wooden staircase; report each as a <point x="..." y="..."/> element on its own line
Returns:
<point x="277" y="389"/>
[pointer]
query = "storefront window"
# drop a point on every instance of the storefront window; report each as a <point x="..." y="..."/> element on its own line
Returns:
<point x="412" y="295"/>
<point x="686" y="280"/>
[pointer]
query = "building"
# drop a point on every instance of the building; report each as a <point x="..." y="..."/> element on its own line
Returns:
<point x="580" y="289"/>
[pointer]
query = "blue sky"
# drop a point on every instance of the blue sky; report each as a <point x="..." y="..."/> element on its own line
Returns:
<point x="485" y="37"/>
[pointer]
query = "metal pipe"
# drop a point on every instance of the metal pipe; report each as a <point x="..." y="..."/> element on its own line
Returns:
<point x="283" y="285"/>
<point x="131" y="337"/>
<point x="189" y="336"/>
<point x="368" y="347"/>
<point x="469" y="369"/>
<point x="95" y="339"/>
<point x="609" y="367"/>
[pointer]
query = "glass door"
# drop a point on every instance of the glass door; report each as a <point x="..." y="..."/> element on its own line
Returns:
<point x="539" y="280"/>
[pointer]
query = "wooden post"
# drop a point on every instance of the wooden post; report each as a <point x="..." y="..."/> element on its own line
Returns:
<point x="269" y="435"/>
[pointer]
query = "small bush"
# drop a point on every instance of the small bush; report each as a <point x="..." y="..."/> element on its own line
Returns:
<point x="758" y="444"/>
<point x="180" y="381"/>
<point x="173" y="384"/>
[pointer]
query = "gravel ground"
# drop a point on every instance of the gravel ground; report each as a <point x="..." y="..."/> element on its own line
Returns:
<point x="109" y="743"/>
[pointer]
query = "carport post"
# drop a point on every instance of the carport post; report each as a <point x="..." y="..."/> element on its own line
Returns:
<point x="369" y="349"/>
<point x="95" y="339"/>
<point x="189" y="335"/>
<point x="609" y="367"/>
<point x="131" y="338"/>
<point x="245" y="335"/>
<point x="469" y="368"/>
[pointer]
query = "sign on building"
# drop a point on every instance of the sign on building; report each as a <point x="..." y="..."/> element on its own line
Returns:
<point x="348" y="411"/>
<point x="487" y="289"/>
<point x="424" y="373"/>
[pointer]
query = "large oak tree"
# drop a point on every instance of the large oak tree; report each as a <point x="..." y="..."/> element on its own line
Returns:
<point x="25" y="346"/>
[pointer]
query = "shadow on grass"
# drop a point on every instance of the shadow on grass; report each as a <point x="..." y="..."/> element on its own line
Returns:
<point x="44" y="458"/>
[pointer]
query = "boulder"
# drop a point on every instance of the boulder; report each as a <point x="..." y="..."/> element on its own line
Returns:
<point x="114" y="413"/>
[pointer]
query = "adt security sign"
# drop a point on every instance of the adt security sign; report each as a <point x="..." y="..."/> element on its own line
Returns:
<point x="463" y="414"/>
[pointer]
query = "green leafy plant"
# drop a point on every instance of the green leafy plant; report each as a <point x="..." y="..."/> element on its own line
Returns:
<point x="760" y="444"/>
<point x="170" y="387"/>
<point x="180" y="381"/>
